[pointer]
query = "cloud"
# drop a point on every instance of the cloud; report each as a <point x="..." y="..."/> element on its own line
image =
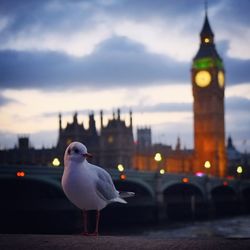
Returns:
<point x="164" y="107"/>
<point x="237" y="104"/>
<point x="149" y="9"/>
<point x="232" y="104"/>
<point x="237" y="10"/>
<point x="46" y="15"/>
<point x="50" y="13"/>
<point x="237" y="70"/>
<point x="115" y="62"/>
<point x="31" y="69"/>
<point x="237" y="121"/>
<point x="66" y="25"/>
<point x="5" y="100"/>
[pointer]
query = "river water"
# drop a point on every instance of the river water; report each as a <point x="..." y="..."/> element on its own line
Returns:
<point x="236" y="227"/>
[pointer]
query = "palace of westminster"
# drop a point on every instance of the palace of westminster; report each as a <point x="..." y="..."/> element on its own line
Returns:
<point x="114" y="143"/>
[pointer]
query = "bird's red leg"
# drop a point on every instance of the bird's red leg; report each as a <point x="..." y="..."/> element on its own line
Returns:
<point x="97" y="222"/>
<point x="85" y="222"/>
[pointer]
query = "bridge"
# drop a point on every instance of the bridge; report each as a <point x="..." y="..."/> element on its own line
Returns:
<point x="34" y="193"/>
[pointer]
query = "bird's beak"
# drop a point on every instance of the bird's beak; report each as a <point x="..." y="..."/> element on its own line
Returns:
<point x="88" y="155"/>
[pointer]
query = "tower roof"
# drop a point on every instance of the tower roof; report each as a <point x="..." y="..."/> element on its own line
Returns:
<point x="206" y="29"/>
<point x="207" y="48"/>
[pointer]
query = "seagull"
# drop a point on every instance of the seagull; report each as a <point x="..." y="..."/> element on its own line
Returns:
<point x="88" y="186"/>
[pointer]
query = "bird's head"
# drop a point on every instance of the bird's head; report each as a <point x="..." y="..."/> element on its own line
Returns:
<point x="76" y="152"/>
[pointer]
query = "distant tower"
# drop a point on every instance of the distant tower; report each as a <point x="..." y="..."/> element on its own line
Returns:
<point x="178" y="144"/>
<point x="60" y="123"/>
<point x="144" y="140"/>
<point x="116" y="143"/>
<point x="101" y="118"/>
<point x="75" y="118"/>
<point x="130" y="119"/>
<point x="76" y="132"/>
<point x="208" y="92"/>
<point x="118" y="114"/>
<point x="92" y="126"/>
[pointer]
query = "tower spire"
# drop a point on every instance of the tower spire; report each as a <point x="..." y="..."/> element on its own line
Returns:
<point x="130" y="119"/>
<point x="205" y="5"/>
<point x="101" y="118"/>
<point x="60" y="122"/>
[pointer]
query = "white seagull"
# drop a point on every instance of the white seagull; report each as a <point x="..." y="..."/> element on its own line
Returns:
<point x="88" y="186"/>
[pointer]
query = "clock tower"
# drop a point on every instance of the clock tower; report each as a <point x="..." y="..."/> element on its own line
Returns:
<point x="208" y="82"/>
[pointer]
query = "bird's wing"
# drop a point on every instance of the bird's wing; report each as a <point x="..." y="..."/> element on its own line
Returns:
<point x="105" y="186"/>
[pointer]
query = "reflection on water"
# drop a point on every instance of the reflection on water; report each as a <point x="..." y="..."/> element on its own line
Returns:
<point x="238" y="227"/>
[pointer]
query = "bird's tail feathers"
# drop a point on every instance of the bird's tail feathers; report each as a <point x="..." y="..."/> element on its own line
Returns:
<point x="118" y="199"/>
<point x="126" y="194"/>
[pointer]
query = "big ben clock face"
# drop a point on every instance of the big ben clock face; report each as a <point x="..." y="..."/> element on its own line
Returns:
<point x="221" y="79"/>
<point x="203" y="78"/>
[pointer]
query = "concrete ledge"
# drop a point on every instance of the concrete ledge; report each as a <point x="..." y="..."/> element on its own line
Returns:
<point x="75" y="242"/>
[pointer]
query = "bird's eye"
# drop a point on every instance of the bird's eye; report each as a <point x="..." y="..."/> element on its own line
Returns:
<point x="76" y="150"/>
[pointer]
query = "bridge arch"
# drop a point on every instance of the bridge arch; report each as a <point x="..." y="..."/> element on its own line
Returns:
<point x="34" y="204"/>
<point x="140" y="208"/>
<point x="30" y="187"/>
<point x="184" y="201"/>
<point x="140" y="189"/>
<point x="225" y="200"/>
<point x="245" y="195"/>
<point x="170" y="183"/>
<point x="135" y="183"/>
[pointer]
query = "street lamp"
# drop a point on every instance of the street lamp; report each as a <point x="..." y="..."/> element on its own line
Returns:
<point x="239" y="171"/>
<point x="162" y="171"/>
<point x="56" y="162"/>
<point x="207" y="165"/>
<point x="158" y="159"/>
<point x="120" y="167"/>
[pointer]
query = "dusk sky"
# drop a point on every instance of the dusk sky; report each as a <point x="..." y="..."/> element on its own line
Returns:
<point x="87" y="55"/>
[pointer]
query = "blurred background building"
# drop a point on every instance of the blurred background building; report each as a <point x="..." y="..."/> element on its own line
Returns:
<point x="114" y="144"/>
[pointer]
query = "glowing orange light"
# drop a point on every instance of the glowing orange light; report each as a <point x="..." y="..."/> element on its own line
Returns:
<point x="185" y="180"/>
<point x="20" y="174"/>
<point x="207" y="164"/>
<point x="123" y="177"/>
<point x="158" y="157"/>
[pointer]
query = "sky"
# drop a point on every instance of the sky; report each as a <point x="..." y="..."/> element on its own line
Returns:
<point x="90" y="55"/>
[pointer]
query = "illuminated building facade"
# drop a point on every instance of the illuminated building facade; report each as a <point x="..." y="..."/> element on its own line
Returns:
<point x="116" y="142"/>
<point x="76" y="132"/>
<point x="208" y="83"/>
<point x="112" y="145"/>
